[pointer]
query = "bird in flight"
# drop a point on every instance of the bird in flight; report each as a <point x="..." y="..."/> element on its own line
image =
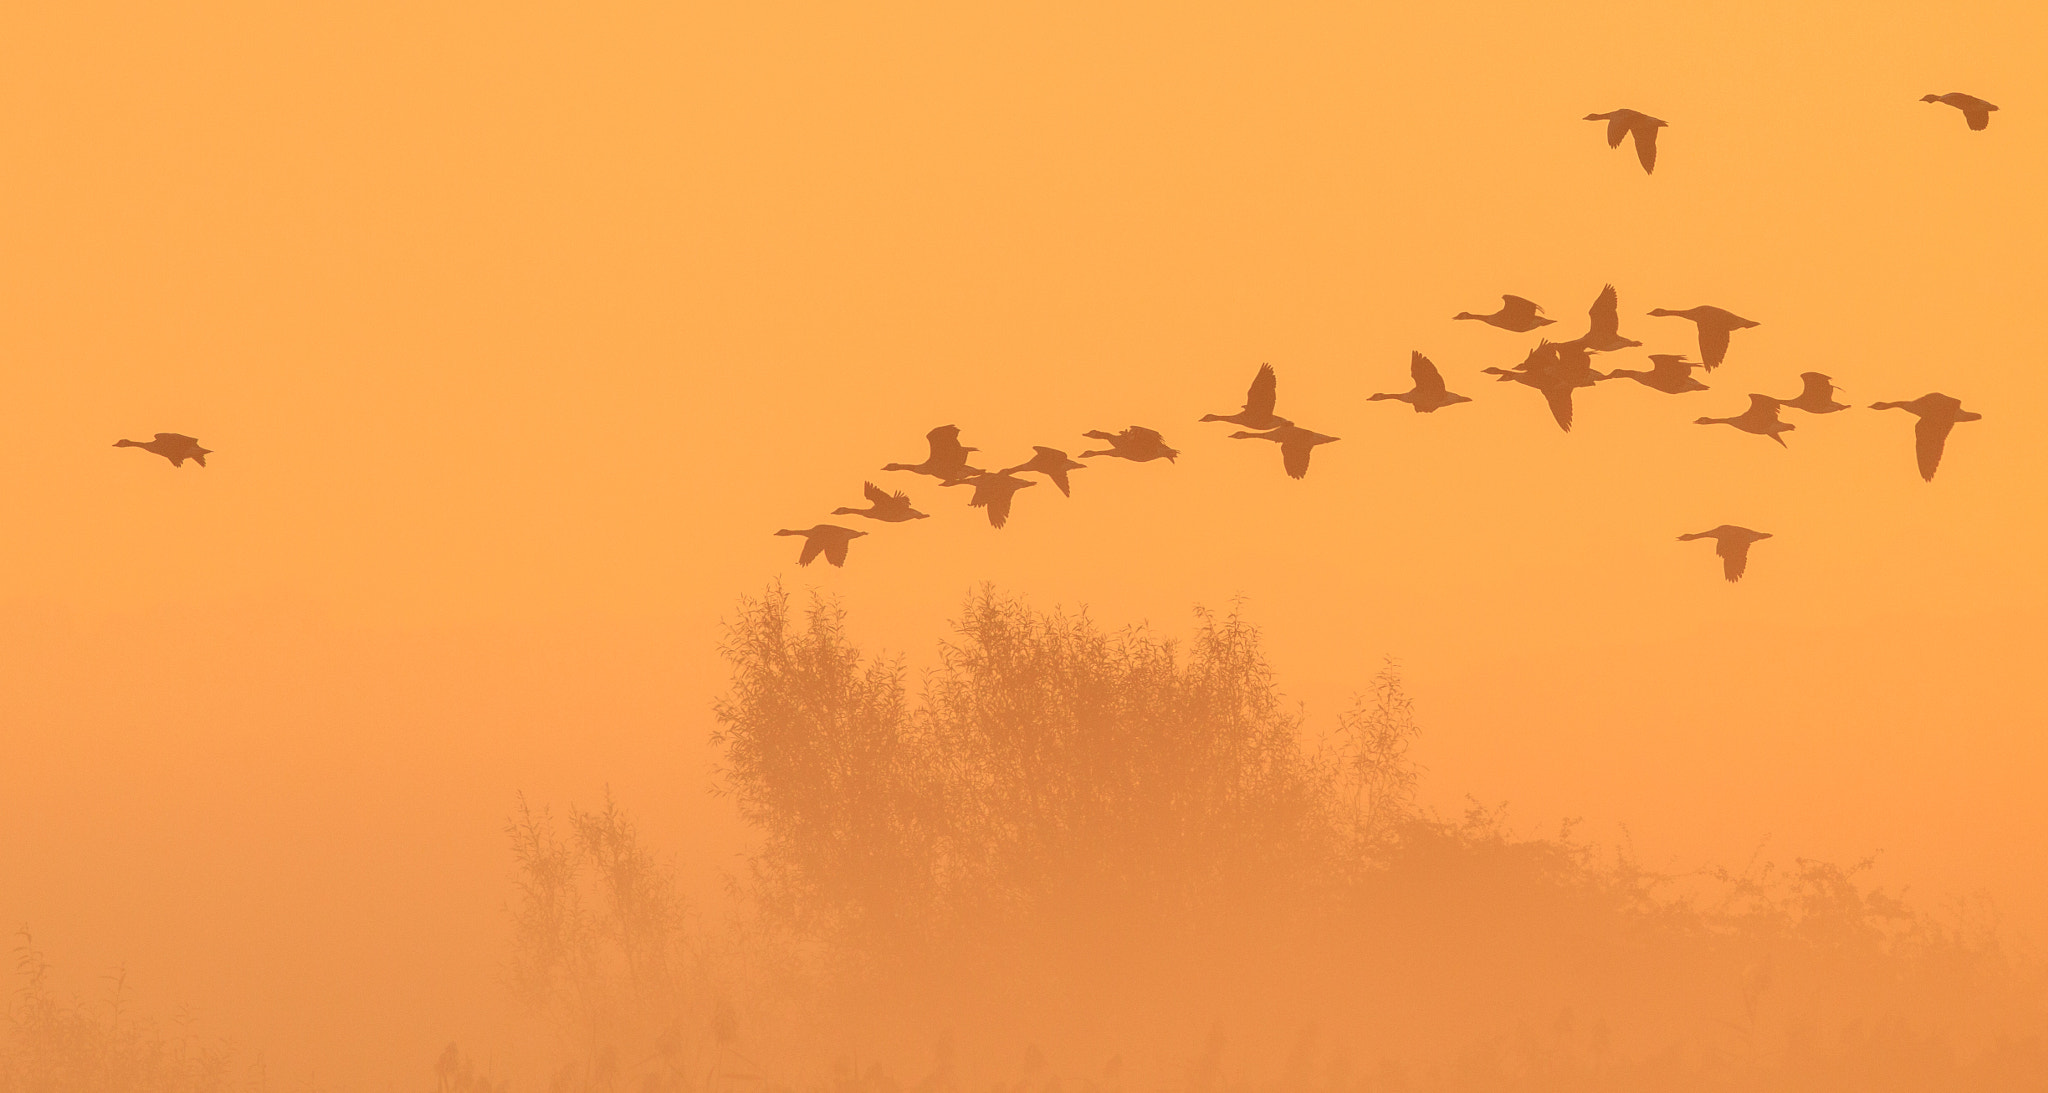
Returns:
<point x="1295" y="445"/>
<point x="1137" y="444"/>
<point x="1603" y="327"/>
<point x="1516" y="314"/>
<point x="828" y="539"/>
<point x="1938" y="414"/>
<point x="1732" y="544"/>
<point x="1715" y="326"/>
<point x="993" y="492"/>
<point x="1258" y="404"/>
<point x="1050" y="462"/>
<point x="1761" y="418"/>
<point x="890" y="508"/>
<point x="176" y="447"/>
<point x="1670" y="373"/>
<point x="1975" y="110"/>
<point x="1429" y="393"/>
<point x="1622" y="123"/>
<point x="1556" y="370"/>
<point x="1817" y="397"/>
<point x="948" y="458"/>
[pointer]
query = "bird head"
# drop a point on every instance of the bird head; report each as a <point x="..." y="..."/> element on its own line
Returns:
<point x="1594" y="117"/>
<point x="1930" y="98"/>
<point x="1703" y="421"/>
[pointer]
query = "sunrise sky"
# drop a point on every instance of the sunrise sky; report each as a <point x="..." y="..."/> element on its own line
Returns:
<point x="517" y="329"/>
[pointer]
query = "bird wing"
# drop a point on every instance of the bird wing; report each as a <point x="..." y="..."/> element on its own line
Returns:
<point x="1713" y="344"/>
<point x="874" y="493"/>
<point x="1560" y="400"/>
<point x="1294" y="456"/>
<point x="1617" y="128"/>
<point x="1141" y="434"/>
<point x="1977" y="115"/>
<point x="997" y="502"/>
<point x="1930" y="436"/>
<point x="1264" y="391"/>
<point x="945" y="443"/>
<point x="1428" y="381"/>
<point x="812" y="545"/>
<point x="1734" y="557"/>
<point x="835" y="550"/>
<point x="1646" y="147"/>
<point x="1605" y="313"/>
<point x="1513" y="303"/>
<point x="1058" y="474"/>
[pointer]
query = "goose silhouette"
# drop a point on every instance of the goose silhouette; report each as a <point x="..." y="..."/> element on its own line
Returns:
<point x="1295" y="445"/>
<point x="176" y="447"/>
<point x="1670" y="373"/>
<point x="1258" y="404"/>
<point x="1715" y="326"/>
<point x="1622" y="123"/>
<point x="993" y="492"/>
<point x="948" y="458"/>
<point x="827" y="539"/>
<point x="1603" y="328"/>
<point x="890" y="508"/>
<point x="1556" y="370"/>
<point x="1429" y="393"/>
<point x="1137" y="444"/>
<point x="1761" y="418"/>
<point x="1938" y="413"/>
<point x="1732" y="544"/>
<point x="1817" y="397"/>
<point x="1516" y="314"/>
<point x="1050" y="462"/>
<point x="1975" y="110"/>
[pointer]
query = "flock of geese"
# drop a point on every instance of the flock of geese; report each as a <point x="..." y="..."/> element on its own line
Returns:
<point x="1554" y="369"/>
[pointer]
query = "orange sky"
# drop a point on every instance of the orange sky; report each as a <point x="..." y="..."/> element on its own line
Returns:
<point x="517" y="331"/>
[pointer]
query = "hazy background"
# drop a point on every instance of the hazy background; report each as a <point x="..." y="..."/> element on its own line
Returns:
<point x="517" y="331"/>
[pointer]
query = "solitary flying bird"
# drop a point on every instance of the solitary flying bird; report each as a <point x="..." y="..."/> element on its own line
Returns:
<point x="1817" y="397"/>
<point x="1429" y="393"/>
<point x="1050" y="462"/>
<point x="1732" y="544"/>
<point x="1621" y="123"/>
<point x="993" y="492"/>
<point x="1715" y="326"/>
<point x="886" y="507"/>
<point x="1670" y="373"/>
<point x="1516" y="314"/>
<point x="1603" y="327"/>
<point x="1258" y="404"/>
<point x="1295" y="445"/>
<point x="1975" y="110"/>
<point x="1137" y="444"/>
<point x="1938" y="414"/>
<point x="1761" y="418"/>
<point x="948" y="459"/>
<point x="829" y="539"/>
<point x="176" y="447"/>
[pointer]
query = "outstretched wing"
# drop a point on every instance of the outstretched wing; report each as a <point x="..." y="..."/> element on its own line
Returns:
<point x="1978" y="116"/>
<point x="997" y="501"/>
<point x="1143" y="435"/>
<point x="812" y="545"/>
<point x="1734" y="557"/>
<point x="1560" y="399"/>
<point x="1514" y="302"/>
<point x="1713" y="344"/>
<point x="1646" y="147"/>
<point x="1605" y="314"/>
<point x="1617" y="128"/>
<point x="1264" y="391"/>
<point x="946" y="447"/>
<point x="1428" y="381"/>
<point x="1930" y="436"/>
<point x="874" y="493"/>
<point x="1294" y="456"/>
<point x="835" y="550"/>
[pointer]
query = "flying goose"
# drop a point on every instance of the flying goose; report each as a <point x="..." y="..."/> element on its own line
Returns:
<point x="829" y="539"/>
<point x="1670" y="373"/>
<point x="1555" y="369"/>
<point x="1621" y="123"/>
<point x="890" y="508"/>
<point x="1732" y="544"/>
<point x="1050" y="462"/>
<point x="1761" y="418"/>
<point x="1603" y="327"/>
<point x="176" y="447"/>
<point x="1429" y="394"/>
<point x="1516" y="314"/>
<point x="948" y="458"/>
<point x="993" y="492"/>
<point x="1295" y="445"/>
<point x="1817" y="397"/>
<point x="1258" y="404"/>
<point x="1938" y="414"/>
<point x="1715" y="326"/>
<point x="1975" y="110"/>
<point x="1137" y="444"/>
